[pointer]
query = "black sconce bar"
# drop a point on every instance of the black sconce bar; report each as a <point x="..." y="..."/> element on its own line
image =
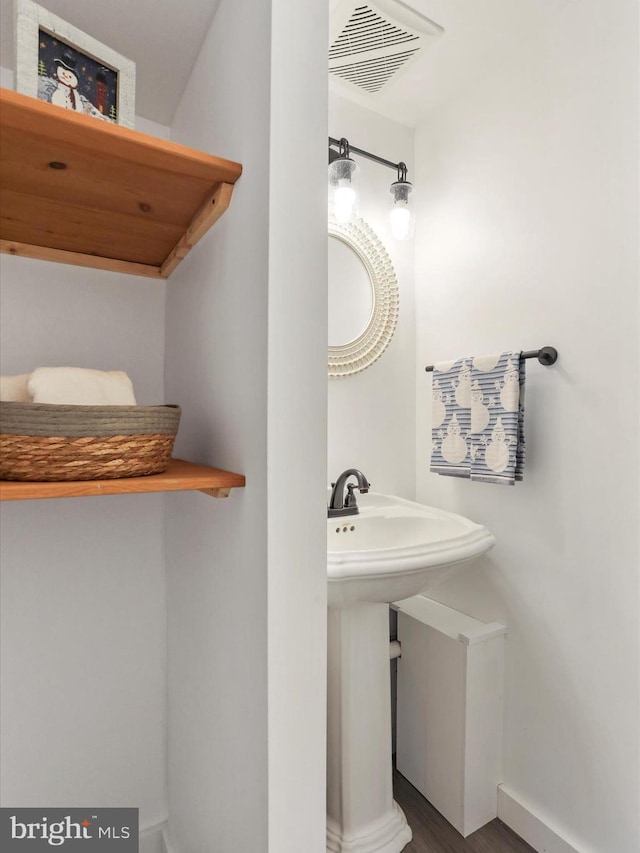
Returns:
<point x="344" y="148"/>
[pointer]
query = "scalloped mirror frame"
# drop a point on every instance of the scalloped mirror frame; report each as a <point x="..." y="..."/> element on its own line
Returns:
<point x="350" y="358"/>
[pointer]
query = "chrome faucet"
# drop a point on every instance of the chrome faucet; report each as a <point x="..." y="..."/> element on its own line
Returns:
<point x="338" y="503"/>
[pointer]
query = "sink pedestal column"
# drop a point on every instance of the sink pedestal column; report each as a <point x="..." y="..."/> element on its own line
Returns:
<point x="362" y="816"/>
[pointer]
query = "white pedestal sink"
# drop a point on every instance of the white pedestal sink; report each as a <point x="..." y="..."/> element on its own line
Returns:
<point x="391" y="550"/>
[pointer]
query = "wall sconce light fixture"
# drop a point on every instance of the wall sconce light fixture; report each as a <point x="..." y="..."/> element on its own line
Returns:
<point x="344" y="173"/>
<point x="401" y="216"/>
<point x="343" y="188"/>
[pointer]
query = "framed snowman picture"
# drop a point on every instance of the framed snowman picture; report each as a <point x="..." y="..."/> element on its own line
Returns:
<point x="57" y="63"/>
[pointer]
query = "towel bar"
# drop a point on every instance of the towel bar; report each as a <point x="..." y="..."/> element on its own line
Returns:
<point x="546" y="356"/>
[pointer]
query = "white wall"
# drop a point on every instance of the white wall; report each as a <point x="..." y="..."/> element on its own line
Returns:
<point x="83" y="588"/>
<point x="372" y="413"/>
<point x="297" y="431"/>
<point x="246" y="359"/>
<point x="528" y="236"/>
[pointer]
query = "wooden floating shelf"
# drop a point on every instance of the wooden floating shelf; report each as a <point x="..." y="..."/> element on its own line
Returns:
<point x="82" y="191"/>
<point x="179" y="476"/>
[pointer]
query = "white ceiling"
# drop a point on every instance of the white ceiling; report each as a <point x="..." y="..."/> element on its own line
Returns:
<point x="164" y="37"/>
<point x="479" y="37"/>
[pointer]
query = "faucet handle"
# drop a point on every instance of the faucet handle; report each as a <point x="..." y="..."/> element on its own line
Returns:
<point x="350" y="499"/>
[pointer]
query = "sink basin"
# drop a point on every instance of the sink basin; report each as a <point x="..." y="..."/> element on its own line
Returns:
<point x="395" y="548"/>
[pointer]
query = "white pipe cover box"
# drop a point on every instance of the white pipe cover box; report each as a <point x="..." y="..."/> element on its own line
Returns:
<point x="449" y="710"/>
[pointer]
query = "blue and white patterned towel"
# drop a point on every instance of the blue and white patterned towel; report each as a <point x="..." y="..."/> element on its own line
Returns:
<point x="478" y="418"/>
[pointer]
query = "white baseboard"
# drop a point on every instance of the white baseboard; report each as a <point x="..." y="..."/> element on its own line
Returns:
<point x="155" y="839"/>
<point x="530" y="826"/>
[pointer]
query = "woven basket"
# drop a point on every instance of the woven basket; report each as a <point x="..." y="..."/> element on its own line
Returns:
<point x="40" y="441"/>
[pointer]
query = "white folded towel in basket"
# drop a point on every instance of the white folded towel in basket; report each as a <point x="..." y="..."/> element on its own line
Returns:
<point x="77" y="386"/>
<point x="13" y="389"/>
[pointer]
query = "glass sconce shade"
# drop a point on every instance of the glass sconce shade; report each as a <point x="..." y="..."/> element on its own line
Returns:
<point x="344" y="196"/>
<point x="401" y="216"/>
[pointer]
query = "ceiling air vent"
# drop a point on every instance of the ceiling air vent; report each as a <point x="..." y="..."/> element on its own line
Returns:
<point x="371" y="42"/>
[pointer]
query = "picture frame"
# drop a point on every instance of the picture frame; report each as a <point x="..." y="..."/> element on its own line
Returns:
<point x="58" y="63"/>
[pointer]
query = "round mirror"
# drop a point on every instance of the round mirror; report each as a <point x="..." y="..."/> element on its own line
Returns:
<point x="363" y="298"/>
<point x="350" y="293"/>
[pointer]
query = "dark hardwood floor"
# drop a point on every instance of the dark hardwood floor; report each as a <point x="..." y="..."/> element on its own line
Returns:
<point x="433" y="834"/>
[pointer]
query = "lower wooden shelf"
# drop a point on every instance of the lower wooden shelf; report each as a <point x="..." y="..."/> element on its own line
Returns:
<point x="179" y="476"/>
